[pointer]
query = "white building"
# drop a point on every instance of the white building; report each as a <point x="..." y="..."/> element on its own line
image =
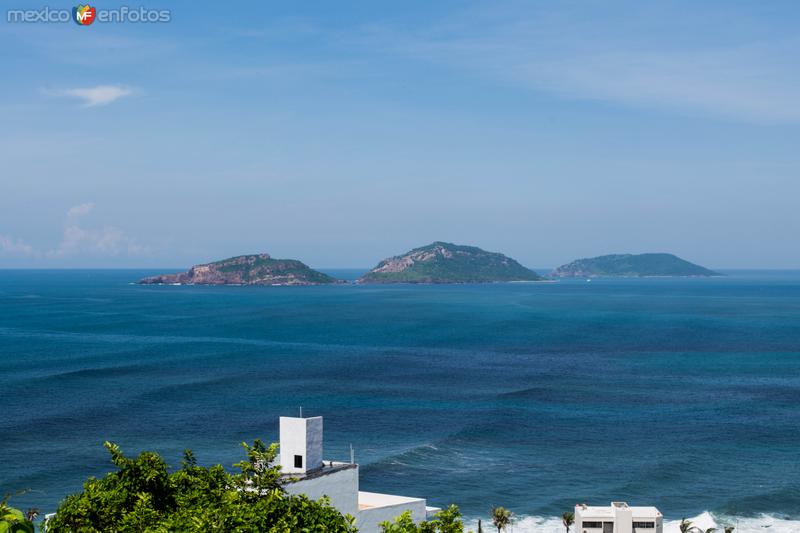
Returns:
<point x="618" y="518"/>
<point x="307" y="473"/>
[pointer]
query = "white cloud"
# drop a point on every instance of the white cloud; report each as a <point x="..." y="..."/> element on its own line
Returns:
<point x="572" y="56"/>
<point x="107" y="240"/>
<point x="79" y="239"/>
<point x="735" y="83"/>
<point x="80" y="210"/>
<point x="9" y="245"/>
<point x="99" y="95"/>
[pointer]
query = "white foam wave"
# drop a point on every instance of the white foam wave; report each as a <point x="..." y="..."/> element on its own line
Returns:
<point x="759" y="524"/>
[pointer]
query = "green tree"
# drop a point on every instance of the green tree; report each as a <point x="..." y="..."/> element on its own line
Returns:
<point x="501" y="518"/>
<point x="13" y="520"/>
<point x="568" y="519"/>
<point x="402" y="524"/>
<point x="141" y="495"/>
<point x="448" y="520"/>
<point x="445" y="521"/>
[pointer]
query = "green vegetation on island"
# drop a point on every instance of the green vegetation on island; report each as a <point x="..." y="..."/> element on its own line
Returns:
<point x="630" y="265"/>
<point x="443" y="262"/>
<point x="258" y="269"/>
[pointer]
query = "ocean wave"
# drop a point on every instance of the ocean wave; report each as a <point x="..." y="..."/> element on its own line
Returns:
<point x="705" y="520"/>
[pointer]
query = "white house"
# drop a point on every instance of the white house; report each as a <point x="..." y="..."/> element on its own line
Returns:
<point x="618" y="518"/>
<point x="307" y="473"/>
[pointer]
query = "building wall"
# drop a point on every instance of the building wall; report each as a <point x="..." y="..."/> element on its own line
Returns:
<point x="581" y="517"/>
<point x="622" y="524"/>
<point x="341" y="487"/>
<point x="623" y="519"/>
<point x="300" y="436"/>
<point x="314" y="442"/>
<point x="659" y="521"/>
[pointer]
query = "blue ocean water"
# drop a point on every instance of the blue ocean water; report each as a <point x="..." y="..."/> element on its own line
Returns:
<point x="683" y="394"/>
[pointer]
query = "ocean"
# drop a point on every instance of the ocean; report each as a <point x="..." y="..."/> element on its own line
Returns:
<point x="678" y="393"/>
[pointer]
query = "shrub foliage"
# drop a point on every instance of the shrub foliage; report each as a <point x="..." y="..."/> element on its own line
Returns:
<point x="142" y="495"/>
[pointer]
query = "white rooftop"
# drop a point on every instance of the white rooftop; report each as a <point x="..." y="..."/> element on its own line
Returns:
<point x="367" y="500"/>
<point x="607" y="511"/>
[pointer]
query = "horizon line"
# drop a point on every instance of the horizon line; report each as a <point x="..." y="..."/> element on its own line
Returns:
<point x="796" y="268"/>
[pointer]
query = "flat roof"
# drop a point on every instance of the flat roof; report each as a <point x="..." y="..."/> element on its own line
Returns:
<point x="369" y="500"/>
<point x="328" y="467"/>
<point x="607" y="511"/>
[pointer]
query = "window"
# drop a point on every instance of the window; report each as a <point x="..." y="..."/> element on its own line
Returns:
<point x="298" y="461"/>
<point x="597" y="525"/>
<point x="644" y="525"/>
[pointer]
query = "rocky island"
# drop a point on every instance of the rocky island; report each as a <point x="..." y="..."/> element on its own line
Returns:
<point x="257" y="269"/>
<point x="443" y="262"/>
<point x="630" y="265"/>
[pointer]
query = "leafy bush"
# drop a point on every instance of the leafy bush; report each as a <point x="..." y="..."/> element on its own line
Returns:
<point x="143" y="496"/>
<point x="445" y="521"/>
<point x="13" y="520"/>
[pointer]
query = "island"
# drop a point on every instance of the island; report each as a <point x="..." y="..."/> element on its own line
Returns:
<point x="632" y="265"/>
<point x="257" y="269"/>
<point x="444" y="262"/>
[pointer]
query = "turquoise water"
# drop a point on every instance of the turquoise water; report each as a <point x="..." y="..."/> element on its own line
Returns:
<point x="684" y="394"/>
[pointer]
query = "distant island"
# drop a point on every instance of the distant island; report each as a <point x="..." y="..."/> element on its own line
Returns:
<point x="444" y="262"/>
<point x="258" y="269"/>
<point x="630" y="265"/>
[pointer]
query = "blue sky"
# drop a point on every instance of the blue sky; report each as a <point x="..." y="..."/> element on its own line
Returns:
<point x="340" y="133"/>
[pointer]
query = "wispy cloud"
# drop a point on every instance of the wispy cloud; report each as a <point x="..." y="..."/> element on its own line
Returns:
<point x="743" y="83"/>
<point x="106" y="240"/>
<point x="570" y="56"/>
<point x="78" y="239"/>
<point x="80" y="210"/>
<point x="99" y="95"/>
<point x="11" y="246"/>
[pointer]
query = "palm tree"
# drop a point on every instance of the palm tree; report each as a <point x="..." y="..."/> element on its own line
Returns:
<point x="501" y="518"/>
<point x="687" y="527"/>
<point x="568" y="519"/>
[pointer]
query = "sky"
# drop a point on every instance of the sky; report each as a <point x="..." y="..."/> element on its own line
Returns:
<point x="341" y="133"/>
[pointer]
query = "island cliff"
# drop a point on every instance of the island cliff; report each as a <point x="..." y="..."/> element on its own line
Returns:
<point x="259" y="269"/>
<point x="630" y="265"/>
<point x="443" y="262"/>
